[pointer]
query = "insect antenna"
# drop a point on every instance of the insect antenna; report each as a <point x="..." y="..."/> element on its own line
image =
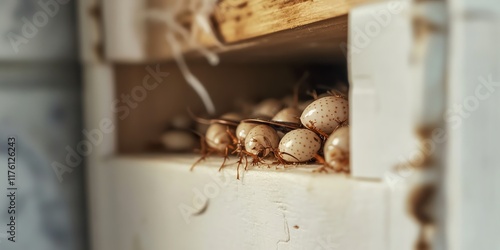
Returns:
<point x="312" y="93"/>
<point x="336" y="93"/>
<point x="280" y="160"/>
<point x="313" y="127"/>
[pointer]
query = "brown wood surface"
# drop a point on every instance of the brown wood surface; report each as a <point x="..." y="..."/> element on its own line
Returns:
<point x="227" y="85"/>
<point x="318" y="42"/>
<point x="266" y="30"/>
<point x="243" y="19"/>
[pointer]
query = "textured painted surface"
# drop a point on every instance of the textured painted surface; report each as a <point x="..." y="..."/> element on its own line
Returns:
<point x="473" y="173"/>
<point x="267" y="209"/>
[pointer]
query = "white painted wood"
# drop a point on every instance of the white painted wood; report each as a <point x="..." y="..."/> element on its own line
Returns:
<point x="401" y="228"/>
<point x="97" y="96"/>
<point x="380" y="40"/>
<point x="125" y="30"/>
<point x="473" y="173"/>
<point x="99" y="104"/>
<point x="428" y="100"/>
<point x="135" y="201"/>
<point x="90" y="30"/>
<point x="428" y="71"/>
<point x="258" y="212"/>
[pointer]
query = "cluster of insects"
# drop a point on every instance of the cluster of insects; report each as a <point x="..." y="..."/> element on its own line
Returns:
<point x="290" y="133"/>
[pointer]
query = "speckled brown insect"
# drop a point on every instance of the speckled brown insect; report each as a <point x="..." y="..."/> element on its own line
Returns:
<point x="325" y="114"/>
<point x="299" y="146"/>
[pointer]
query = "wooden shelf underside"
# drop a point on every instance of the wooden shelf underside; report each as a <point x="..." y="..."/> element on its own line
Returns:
<point x="239" y="20"/>
<point x="252" y="30"/>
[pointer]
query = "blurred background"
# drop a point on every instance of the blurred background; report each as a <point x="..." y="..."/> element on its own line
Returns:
<point x="90" y="90"/>
<point x="40" y="96"/>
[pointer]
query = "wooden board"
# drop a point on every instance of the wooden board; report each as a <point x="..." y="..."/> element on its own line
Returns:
<point x="159" y="204"/>
<point x="312" y="42"/>
<point x="318" y="42"/>
<point x="472" y="172"/>
<point x="280" y="30"/>
<point x="243" y="19"/>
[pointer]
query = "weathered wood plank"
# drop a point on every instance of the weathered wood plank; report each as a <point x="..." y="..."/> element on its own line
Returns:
<point x="132" y="38"/>
<point x="243" y="19"/>
<point x="160" y="204"/>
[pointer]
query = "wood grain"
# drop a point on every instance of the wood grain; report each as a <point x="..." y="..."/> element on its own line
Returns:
<point x="266" y="30"/>
<point x="240" y="25"/>
<point x="317" y="42"/>
<point x="243" y="19"/>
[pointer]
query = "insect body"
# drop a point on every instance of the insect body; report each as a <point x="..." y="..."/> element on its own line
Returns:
<point x="336" y="150"/>
<point x="322" y="125"/>
<point x="261" y="140"/>
<point x="217" y="139"/>
<point x="325" y="114"/>
<point x="267" y="108"/>
<point x="243" y="129"/>
<point x="239" y="141"/>
<point x="300" y="145"/>
<point x="255" y="141"/>
<point x="288" y="115"/>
